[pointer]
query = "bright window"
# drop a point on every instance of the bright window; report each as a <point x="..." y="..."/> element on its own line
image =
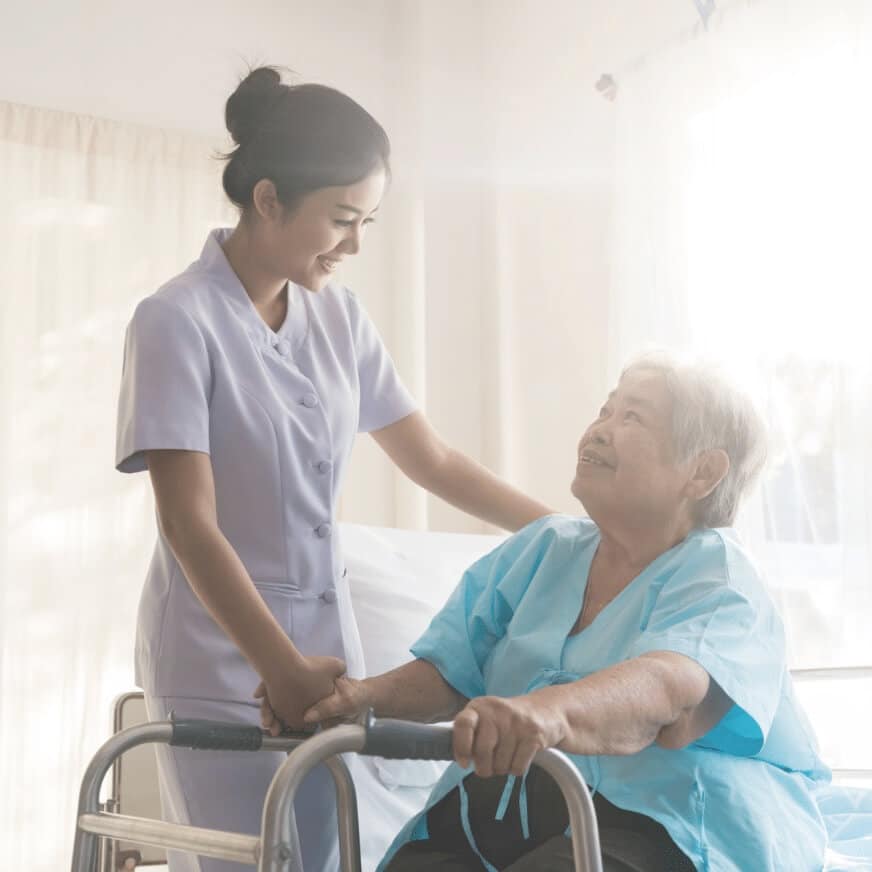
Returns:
<point x="778" y="201"/>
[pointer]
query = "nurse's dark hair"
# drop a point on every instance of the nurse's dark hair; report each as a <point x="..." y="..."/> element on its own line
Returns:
<point x="301" y="137"/>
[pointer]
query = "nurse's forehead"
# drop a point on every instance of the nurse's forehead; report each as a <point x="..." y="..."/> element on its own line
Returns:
<point x="350" y="202"/>
<point x="347" y="207"/>
<point x="360" y="198"/>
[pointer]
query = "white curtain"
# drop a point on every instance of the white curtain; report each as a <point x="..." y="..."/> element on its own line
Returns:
<point x="495" y="305"/>
<point x="740" y="230"/>
<point x="93" y="216"/>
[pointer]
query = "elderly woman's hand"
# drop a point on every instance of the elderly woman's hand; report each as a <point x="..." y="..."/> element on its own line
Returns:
<point x="287" y="696"/>
<point x="350" y="699"/>
<point x="501" y="735"/>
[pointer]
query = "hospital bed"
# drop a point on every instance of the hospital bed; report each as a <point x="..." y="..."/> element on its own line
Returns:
<point x="398" y="580"/>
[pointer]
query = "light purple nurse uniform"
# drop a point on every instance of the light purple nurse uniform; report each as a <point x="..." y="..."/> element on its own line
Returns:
<point x="277" y="413"/>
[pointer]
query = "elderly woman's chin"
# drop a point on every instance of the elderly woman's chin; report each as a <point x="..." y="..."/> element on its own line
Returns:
<point x="596" y="503"/>
<point x="580" y="488"/>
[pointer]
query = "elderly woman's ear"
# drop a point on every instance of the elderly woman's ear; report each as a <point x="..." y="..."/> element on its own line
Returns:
<point x="710" y="468"/>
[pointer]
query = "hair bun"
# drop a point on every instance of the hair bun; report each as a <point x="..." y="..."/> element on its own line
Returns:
<point x="248" y="106"/>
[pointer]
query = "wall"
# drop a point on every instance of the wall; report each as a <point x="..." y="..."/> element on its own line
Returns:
<point x="503" y="163"/>
<point x="552" y="140"/>
<point x="169" y="64"/>
<point x="506" y="148"/>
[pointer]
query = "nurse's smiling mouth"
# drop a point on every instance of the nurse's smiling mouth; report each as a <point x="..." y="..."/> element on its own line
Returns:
<point x="328" y="264"/>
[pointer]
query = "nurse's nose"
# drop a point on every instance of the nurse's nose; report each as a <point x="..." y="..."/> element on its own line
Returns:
<point x="351" y="243"/>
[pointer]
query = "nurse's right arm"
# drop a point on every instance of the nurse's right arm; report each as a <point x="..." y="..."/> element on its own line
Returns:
<point x="184" y="492"/>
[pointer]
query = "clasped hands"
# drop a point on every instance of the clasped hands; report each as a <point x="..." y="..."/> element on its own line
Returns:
<point x="495" y="735"/>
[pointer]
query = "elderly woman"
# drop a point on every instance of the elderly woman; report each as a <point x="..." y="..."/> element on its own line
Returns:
<point x="641" y="642"/>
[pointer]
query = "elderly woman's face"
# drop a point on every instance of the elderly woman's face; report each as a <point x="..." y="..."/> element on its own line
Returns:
<point x="626" y="466"/>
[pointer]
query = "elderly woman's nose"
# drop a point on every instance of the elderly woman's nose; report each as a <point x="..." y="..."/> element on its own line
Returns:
<point x="600" y="432"/>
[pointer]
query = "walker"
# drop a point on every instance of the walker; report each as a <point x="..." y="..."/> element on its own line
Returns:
<point x="277" y="848"/>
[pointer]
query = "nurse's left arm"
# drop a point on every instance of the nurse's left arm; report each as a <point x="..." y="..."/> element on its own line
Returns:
<point x="661" y="697"/>
<point x="420" y="452"/>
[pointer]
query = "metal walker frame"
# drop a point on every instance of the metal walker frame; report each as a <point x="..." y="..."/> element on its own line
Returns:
<point x="277" y="848"/>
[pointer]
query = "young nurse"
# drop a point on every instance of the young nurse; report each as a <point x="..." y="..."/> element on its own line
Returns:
<point x="245" y="381"/>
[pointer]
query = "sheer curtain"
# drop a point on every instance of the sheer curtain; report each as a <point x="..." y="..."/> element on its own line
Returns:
<point x="496" y="309"/>
<point x="93" y="215"/>
<point x="740" y="230"/>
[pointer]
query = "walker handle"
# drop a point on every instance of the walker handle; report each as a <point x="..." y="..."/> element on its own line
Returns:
<point x="401" y="740"/>
<point x="215" y="735"/>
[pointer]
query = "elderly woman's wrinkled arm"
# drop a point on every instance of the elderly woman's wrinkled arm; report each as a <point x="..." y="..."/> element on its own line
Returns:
<point x="415" y="691"/>
<point x="660" y="697"/>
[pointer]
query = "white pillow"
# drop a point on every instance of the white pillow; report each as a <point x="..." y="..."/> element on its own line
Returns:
<point x="398" y="580"/>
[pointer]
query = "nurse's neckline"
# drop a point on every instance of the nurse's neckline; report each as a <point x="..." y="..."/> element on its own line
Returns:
<point x="273" y="311"/>
<point x="235" y="285"/>
<point x="277" y="313"/>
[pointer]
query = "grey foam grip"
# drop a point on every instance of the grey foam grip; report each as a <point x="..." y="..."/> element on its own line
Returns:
<point x="405" y="740"/>
<point x="215" y="735"/>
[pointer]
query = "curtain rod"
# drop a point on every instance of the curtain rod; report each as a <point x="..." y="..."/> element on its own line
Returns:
<point x="705" y="9"/>
<point x="607" y="84"/>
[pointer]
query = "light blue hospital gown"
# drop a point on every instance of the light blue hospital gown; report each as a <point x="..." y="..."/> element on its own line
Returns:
<point x="740" y="799"/>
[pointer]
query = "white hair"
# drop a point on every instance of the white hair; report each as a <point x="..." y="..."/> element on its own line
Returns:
<point x="709" y="412"/>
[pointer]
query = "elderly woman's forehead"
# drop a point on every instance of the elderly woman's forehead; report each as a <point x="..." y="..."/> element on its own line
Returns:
<point x="648" y="383"/>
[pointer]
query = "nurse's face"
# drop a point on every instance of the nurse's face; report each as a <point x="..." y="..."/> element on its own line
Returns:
<point x="309" y="242"/>
<point x="626" y="472"/>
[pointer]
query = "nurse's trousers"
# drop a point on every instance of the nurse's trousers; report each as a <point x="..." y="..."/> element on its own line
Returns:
<point x="225" y="790"/>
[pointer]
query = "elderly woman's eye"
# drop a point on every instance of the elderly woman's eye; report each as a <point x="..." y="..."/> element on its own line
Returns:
<point x="631" y="416"/>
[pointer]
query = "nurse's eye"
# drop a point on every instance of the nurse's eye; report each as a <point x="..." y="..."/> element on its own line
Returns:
<point x="632" y="416"/>
<point x="346" y="222"/>
<point x="604" y="412"/>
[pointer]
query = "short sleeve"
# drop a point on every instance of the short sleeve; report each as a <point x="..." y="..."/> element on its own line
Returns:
<point x="737" y="637"/>
<point x="461" y="637"/>
<point x="383" y="396"/>
<point x="165" y="385"/>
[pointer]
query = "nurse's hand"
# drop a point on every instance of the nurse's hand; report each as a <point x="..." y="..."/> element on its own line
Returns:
<point x="350" y="698"/>
<point x="268" y="719"/>
<point x="284" y="700"/>
<point x="501" y="735"/>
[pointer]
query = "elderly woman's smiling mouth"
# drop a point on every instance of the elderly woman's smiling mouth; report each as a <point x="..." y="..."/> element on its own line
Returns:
<point x="591" y="458"/>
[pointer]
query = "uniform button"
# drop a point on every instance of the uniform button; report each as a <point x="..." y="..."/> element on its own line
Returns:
<point x="323" y="531"/>
<point x="324" y="466"/>
<point x="283" y="347"/>
<point x="309" y="401"/>
<point x="329" y="596"/>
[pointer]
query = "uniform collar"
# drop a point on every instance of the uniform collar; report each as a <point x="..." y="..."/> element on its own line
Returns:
<point x="214" y="261"/>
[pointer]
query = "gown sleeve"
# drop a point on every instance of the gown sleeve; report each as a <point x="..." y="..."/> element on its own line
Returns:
<point x="460" y="638"/>
<point x="720" y="616"/>
<point x="383" y="396"/>
<point x="165" y="385"/>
